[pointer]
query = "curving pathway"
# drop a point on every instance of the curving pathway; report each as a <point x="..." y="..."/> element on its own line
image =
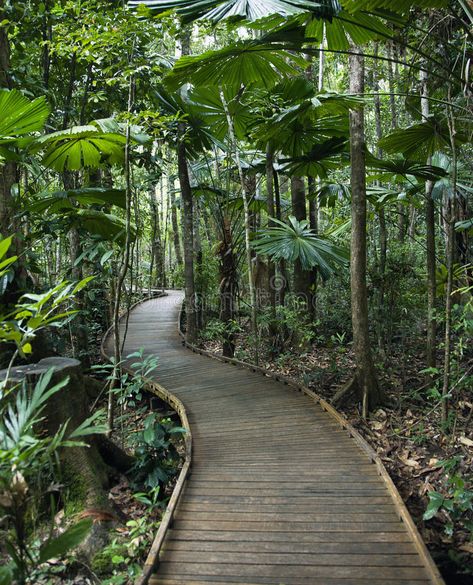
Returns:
<point x="279" y="493"/>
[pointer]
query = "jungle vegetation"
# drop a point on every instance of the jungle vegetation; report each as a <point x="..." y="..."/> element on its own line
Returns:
<point x="302" y="169"/>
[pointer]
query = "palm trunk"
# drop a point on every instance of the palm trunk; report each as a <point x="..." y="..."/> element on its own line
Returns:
<point x="366" y="377"/>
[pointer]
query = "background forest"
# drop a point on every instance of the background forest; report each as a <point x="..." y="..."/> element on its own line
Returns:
<point x="303" y="170"/>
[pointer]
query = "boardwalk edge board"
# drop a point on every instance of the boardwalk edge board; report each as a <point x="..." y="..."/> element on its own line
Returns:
<point x="152" y="386"/>
<point x="403" y="512"/>
<point x="152" y="561"/>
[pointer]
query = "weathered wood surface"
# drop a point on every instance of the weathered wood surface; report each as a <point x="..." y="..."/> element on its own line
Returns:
<point x="279" y="493"/>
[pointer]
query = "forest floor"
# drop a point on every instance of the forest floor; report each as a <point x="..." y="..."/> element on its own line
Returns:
<point x="405" y="434"/>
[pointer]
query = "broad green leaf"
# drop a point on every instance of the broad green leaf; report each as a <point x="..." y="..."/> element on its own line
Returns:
<point x="435" y="503"/>
<point x="58" y="201"/>
<point x="71" y="538"/>
<point x="240" y="64"/>
<point x="20" y="115"/>
<point x="400" y="6"/>
<point x="296" y="241"/>
<point x="106" y="225"/>
<point x="4" y="246"/>
<point x="79" y="147"/>
<point x="250" y="10"/>
<point x="422" y="140"/>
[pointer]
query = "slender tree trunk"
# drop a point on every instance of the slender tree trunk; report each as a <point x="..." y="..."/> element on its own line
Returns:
<point x="174" y="223"/>
<point x="187" y="216"/>
<point x="119" y="343"/>
<point x="228" y="287"/>
<point x="247" y="217"/>
<point x="157" y="251"/>
<point x="431" y="344"/>
<point x="383" y="232"/>
<point x="271" y="286"/>
<point x="450" y="258"/>
<point x="46" y="34"/>
<point x="8" y="170"/>
<point x="302" y="278"/>
<point x="366" y="377"/>
<point x="314" y="225"/>
<point x="188" y="233"/>
<point x="199" y="261"/>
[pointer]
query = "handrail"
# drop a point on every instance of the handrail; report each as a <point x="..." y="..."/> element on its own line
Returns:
<point x="152" y="560"/>
<point x="399" y="504"/>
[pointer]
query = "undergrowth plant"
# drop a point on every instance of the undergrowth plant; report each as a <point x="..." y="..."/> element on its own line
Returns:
<point x="29" y="473"/>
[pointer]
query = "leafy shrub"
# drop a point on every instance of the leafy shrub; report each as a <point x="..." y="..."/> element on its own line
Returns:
<point x="156" y="452"/>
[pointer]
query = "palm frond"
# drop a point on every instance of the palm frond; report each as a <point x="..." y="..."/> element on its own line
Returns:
<point x="296" y="241"/>
<point x="250" y="10"/>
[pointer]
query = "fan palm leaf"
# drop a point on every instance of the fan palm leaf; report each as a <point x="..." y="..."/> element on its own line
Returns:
<point x="251" y="10"/>
<point x="20" y="116"/>
<point x="296" y="241"/>
<point x="58" y="201"/>
<point x="244" y="63"/>
<point x="79" y="147"/>
<point x="422" y="140"/>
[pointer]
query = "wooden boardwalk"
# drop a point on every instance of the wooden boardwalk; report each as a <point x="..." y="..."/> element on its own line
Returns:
<point x="279" y="493"/>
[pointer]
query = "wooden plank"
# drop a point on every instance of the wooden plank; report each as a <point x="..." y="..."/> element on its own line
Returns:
<point x="230" y="535"/>
<point x="283" y="572"/>
<point x="289" y="560"/>
<point x="287" y="527"/>
<point x="295" y="580"/>
<point x="293" y="547"/>
<point x="281" y="490"/>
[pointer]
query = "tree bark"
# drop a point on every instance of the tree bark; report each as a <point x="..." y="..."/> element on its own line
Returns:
<point x="271" y="285"/>
<point x="228" y="286"/>
<point x="431" y="345"/>
<point x="174" y="223"/>
<point x="366" y="377"/>
<point x="302" y="277"/>
<point x="188" y="233"/>
<point x="187" y="216"/>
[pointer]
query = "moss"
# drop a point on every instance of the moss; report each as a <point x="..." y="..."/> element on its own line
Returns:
<point x="102" y="563"/>
<point x="83" y="483"/>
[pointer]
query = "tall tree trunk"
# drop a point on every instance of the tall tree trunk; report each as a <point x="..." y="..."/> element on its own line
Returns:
<point x="431" y="345"/>
<point x="199" y="261"/>
<point x="187" y="216"/>
<point x="157" y="251"/>
<point x="247" y="219"/>
<point x="9" y="171"/>
<point x="450" y="261"/>
<point x="314" y="225"/>
<point x="301" y="277"/>
<point x="228" y="286"/>
<point x="188" y="236"/>
<point x="366" y="378"/>
<point x="271" y="285"/>
<point x="383" y="232"/>
<point x="174" y="223"/>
